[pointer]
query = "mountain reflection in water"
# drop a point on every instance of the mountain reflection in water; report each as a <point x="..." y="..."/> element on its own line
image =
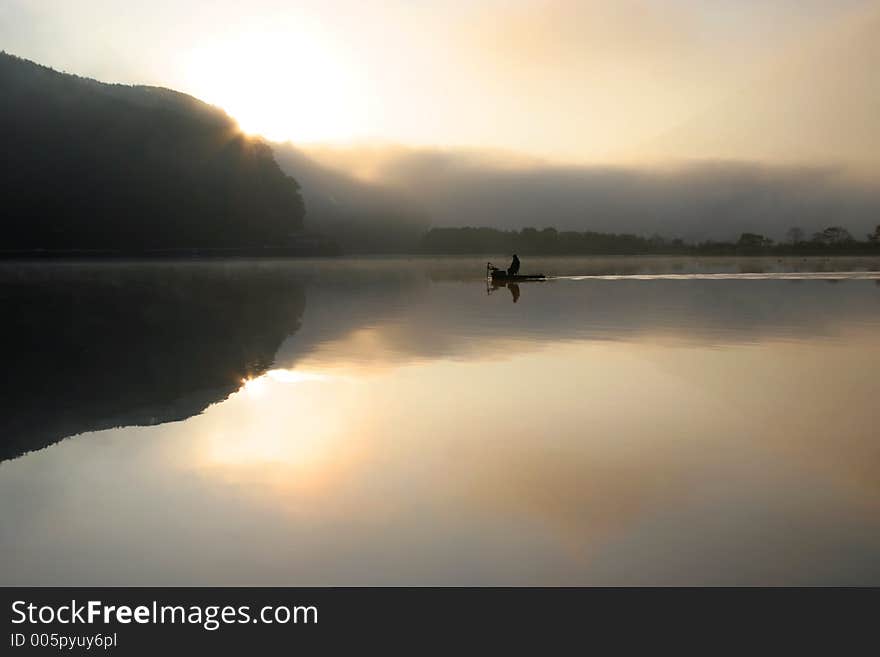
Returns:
<point x="388" y="422"/>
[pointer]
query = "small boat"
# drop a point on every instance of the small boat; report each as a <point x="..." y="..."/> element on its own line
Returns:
<point x="501" y="275"/>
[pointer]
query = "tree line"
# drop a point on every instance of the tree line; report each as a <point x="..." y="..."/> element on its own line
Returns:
<point x="549" y="241"/>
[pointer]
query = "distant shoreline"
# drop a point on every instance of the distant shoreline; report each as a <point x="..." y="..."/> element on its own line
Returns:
<point x="296" y="254"/>
<point x="482" y="241"/>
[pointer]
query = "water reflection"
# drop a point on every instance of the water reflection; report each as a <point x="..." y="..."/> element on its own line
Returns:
<point x="90" y="347"/>
<point x="409" y="429"/>
<point x="493" y="286"/>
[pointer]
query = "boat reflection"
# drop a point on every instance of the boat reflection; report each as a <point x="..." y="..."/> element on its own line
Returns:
<point x="492" y="286"/>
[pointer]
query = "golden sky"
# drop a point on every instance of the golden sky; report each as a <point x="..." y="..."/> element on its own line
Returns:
<point x="577" y="81"/>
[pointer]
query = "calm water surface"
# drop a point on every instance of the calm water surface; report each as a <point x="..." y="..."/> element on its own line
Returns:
<point x="351" y="422"/>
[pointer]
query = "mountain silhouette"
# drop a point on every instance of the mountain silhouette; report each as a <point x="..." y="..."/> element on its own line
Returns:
<point x="107" y="166"/>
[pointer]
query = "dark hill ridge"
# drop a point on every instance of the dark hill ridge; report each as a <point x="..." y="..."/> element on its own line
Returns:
<point x="107" y="166"/>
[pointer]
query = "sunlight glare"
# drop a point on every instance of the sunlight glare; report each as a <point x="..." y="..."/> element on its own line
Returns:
<point x="294" y="376"/>
<point x="253" y="387"/>
<point x="281" y="85"/>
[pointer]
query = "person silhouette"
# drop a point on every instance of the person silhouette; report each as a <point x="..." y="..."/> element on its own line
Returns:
<point x="514" y="291"/>
<point x="513" y="270"/>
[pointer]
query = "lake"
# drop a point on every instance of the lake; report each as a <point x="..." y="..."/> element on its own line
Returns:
<point x="636" y="421"/>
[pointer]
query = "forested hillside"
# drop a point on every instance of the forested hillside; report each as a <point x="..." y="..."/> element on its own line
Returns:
<point x="99" y="166"/>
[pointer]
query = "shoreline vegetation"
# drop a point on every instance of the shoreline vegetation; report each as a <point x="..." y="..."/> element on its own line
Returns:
<point x="834" y="240"/>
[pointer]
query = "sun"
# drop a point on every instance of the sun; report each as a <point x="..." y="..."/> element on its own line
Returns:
<point x="281" y="85"/>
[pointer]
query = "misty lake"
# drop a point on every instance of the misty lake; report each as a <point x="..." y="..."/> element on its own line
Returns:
<point x="397" y="421"/>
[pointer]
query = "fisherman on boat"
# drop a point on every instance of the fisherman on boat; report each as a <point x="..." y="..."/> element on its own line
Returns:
<point x="513" y="270"/>
<point x="511" y="274"/>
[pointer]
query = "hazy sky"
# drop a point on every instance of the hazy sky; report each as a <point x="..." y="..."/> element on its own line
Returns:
<point x="577" y="81"/>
